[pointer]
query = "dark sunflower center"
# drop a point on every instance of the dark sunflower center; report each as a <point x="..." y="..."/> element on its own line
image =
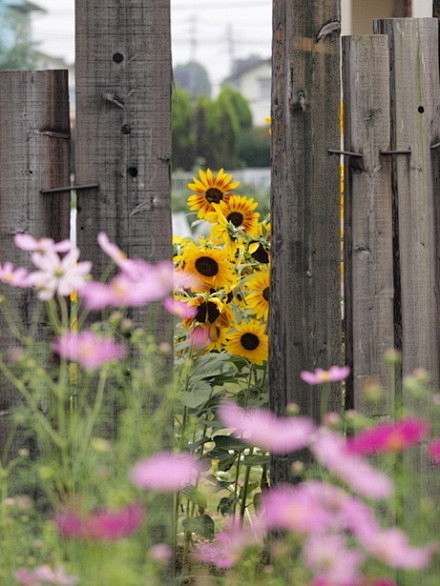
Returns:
<point x="261" y="254"/>
<point x="207" y="311"/>
<point x="266" y="293"/>
<point x="213" y="195"/>
<point x="206" y="266"/>
<point x="235" y="218"/>
<point x="249" y="341"/>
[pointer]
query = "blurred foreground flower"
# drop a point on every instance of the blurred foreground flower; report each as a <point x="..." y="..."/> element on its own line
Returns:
<point x="319" y="376"/>
<point x="390" y="436"/>
<point x="44" y="574"/>
<point x="167" y="471"/>
<point x="100" y="525"/>
<point x="89" y="349"/>
<point x="330" y="449"/>
<point x="227" y="547"/>
<point x="260" y="427"/>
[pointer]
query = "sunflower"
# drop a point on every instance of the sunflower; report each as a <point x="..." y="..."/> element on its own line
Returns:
<point x="210" y="265"/>
<point x="249" y="341"/>
<point x="209" y="310"/>
<point x="210" y="189"/>
<point x="258" y="298"/>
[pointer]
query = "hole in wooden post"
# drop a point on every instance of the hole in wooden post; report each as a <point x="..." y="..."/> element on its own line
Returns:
<point x="118" y="57"/>
<point x="126" y="129"/>
<point x="420" y="109"/>
<point x="132" y="171"/>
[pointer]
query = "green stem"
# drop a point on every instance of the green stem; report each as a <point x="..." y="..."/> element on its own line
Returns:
<point x="245" y="489"/>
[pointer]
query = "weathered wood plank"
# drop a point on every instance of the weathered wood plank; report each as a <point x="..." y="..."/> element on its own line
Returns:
<point x="123" y="141"/>
<point x="34" y="155"/>
<point x="369" y="283"/>
<point x="415" y="108"/>
<point x="305" y="318"/>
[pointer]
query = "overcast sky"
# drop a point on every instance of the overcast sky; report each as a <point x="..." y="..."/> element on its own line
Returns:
<point x="210" y="31"/>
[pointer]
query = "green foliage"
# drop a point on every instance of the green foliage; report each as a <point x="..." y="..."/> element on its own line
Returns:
<point x="216" y="133"/>
<point x="16" y="49"/>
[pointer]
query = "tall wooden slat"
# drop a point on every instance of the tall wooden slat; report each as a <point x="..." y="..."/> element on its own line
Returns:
<point x="415" y="103"/>
<point x="415" y="107"/>
<point x="123" y="137"/>
<point x="305" y="318"/>
<point x="34" y="155"/>
<point x="369" y="283"/>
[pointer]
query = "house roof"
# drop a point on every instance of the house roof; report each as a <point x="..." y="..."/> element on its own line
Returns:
<point x="24" y="6"/>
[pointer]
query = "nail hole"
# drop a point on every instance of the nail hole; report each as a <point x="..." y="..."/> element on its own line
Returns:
<point x="420" y="109"/>
<point x="126" y="129"/>
<point x="132" y="171"/>
<point x="118" y="57"/>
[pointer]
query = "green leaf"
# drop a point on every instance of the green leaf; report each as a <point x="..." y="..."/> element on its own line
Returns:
<point x="202" y="525"/>
<point x="255" y="460"/>
<point x="226" y="506"/>
<point x="197" y="397"/>
<point x="195" y="496"/>
<point x="228" y="442"/>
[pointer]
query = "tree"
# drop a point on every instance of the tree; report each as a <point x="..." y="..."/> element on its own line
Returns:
<point x="239" y="104"/>
<point x="193" y="77"/>
<point x="16" y="48"/>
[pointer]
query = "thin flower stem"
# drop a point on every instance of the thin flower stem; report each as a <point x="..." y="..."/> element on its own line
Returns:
<point x="245" y="488"/>
<point x="57" y="440"/>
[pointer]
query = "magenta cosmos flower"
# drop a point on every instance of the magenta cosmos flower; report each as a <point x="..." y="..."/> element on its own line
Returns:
<point x="166" y="471"/>
<point x="102" y="524"/>
<point x="390" y="436"/>
<point x="88" y="349"/>
<point x="44" y="575"/>
<point x="265" y="430"/>
<point x="41" y="245"/>
<point x="319" y="376"/>
<point x="434" y="450"/>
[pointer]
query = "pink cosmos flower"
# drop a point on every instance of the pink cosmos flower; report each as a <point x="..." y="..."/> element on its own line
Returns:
<point x="179" y="308"/>
<point x="434" y="450"/>
<point x="260" y="427"/>
<point x="138" y="284"/>
<point x="111" y="250"/>
<point x="228" y="545"/>
<point x="89" y="349"/>
<point x="328" y="556"/>
<point x="334" y="374"/>
<point x="166" y="471"/>
<point x="42" y="245"/>
<point x="294" y="508"/>
<point x="18" y="277"/>
<point x="44" y="574"/>
<point x="58" y="275"/>
<point x="392" y="547"/>
<point x="199" y="337"/>
<point x="102" y="524"/>
<point x="390" y="436"/>
<point x="331" y="450"/>
<point x="161" y="552"/>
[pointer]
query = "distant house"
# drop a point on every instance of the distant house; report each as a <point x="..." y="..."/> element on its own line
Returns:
<point x="252" y="78"/>
<point x="358" y="15"/>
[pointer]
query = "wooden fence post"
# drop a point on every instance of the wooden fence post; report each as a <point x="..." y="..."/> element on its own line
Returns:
<point x="34" y="155"/>
<point x="368" y="234"/>
<point x="415" y="107"/>
<point x="123" y="131"/>
<point x="305" y="317"/>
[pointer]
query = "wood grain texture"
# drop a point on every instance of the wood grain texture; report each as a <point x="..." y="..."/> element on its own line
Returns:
<point x="34" y="155"/>
<point x="305" y="318"/>
<point x="123" y="141"/>
<point x="368" y="234"/>
<point x="415" y="114"/>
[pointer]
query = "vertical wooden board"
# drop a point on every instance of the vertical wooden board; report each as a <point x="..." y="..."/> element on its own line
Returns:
<point x="415" y="105"/>
<point x="415" y="108"/>
<point x="369" y="282"/>
<point x="305" y="318"/>
<point x="34" y="155"/>
<point x="123" y="140"/>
